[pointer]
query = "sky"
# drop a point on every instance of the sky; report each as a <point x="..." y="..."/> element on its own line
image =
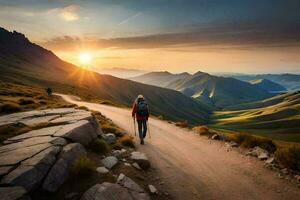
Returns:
<point x="239" y="36"/>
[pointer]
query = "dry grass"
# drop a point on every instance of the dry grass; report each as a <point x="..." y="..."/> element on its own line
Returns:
<point x="183" y="124"/>
<point x="289" y="157"/>
<point x="127" y="141"/>
<point x="107" y="125"/>
<point x="83" y="167"/>
<point x="99" y="146"/>
<point x="250" y="141"/>
<point x="117" y="146"/>
<point x="203" y="130"/>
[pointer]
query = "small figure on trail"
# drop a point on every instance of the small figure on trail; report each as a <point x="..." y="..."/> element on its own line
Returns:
<point x="49" y="91"/>
<point x="140" y="111"/>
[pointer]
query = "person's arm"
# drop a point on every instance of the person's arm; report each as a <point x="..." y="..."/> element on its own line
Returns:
<point x="148" y="112"/>
<point x="134" y="110"/>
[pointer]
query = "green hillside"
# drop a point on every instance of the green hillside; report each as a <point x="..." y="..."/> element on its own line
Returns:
<point x="277" y="118"/>
<point x="23" y="62"/>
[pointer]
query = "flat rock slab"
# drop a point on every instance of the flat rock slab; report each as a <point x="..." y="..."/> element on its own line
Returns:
<point x="16" y="156"/>
<point x="73" y="117"/>
<point x="60" y="171"/>
<point x="32" y="171"/>
<point x="34" y="121"/>
<point x="13" y="193"/>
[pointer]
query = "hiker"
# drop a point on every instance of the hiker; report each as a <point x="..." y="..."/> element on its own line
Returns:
<point x="140" y="111"/>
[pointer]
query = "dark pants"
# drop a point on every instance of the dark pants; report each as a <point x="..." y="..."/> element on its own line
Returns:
<point x="142" y="125"/>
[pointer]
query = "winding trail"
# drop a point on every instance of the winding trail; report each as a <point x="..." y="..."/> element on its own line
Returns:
<point x="195" y="167"/>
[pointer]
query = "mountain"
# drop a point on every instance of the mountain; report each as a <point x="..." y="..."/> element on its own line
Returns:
<point x="268" y="85"/>
<point x="289" y="81"/>
<point x="162" y="79"/>
<point x="207" y="89"/>
<point x="23" y="62"/>
<point x="277" y="117"/>
<point x="121" y="72"/>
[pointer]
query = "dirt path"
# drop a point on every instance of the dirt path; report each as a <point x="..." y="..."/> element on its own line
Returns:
<point x="197" y="168"/>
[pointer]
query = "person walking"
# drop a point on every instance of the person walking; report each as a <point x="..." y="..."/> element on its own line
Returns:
<point x="140" y="113"/>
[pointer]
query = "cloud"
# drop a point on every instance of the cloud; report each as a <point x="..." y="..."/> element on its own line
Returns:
<point x="242" y="36"/>
<point x="68" y="13"/>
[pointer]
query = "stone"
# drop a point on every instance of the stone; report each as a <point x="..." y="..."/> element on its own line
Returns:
<point x="136" y="166"/>
<point x="135" y="190"/>
<point x="297" y="177"/>
<point x="82" y="132"/>
<point x="102" y="170"/>
<point x="231" y="144"/>
<point x="285" y="171"/>
<point x="107" y="191"/>
<point x="72" y="195"/>
<point x="34" y="121"/>
<point x="60" y="170"/>
<point x="117" y="153"/>
<point x="109" y="162"/>
<point x="13" y="193"/>
<point x="141" y="159"/>
<point x="215" y="137"/>
<point x="270" y="160"/>
<point x="32" y="171"/>
<point x="152" y="189"/>
<point x="59" y="111"/>
<point x="127" y="164"/>
<point x="263" y="156"/>
<point x="123" y="150"/>
<point x="258" y="152"/>
<point x="16" y="156"/>
<point x="109" y="138"/>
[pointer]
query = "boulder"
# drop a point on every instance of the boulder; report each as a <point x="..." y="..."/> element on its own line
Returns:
<point x="270" y="160"/>
<point x="5" y="169"/>
<point x="13" y="193"/>
<point x="109" y="162"/>
<point x="117" y="153"/>
<point x="60" y="171"/>
<point x="135" y="165"/>
<point x="107" y="191"/>
<point x="135" y="190"/>
<point x="102" y="170"/>
<point x="33" y="121"/>
<point x="73" y="117"/>
<point x="109" y="138"/>
<point x="231" y="144"/>
<point x="82" y="132"/>
<point x="32" y="171"/>
<point x="141" y="159"/>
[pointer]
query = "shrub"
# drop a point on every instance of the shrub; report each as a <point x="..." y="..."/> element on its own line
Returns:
<point x="203" y="130"/>
<point x="182" y="124"/>
<point x="26" y="101"/>
<point x="127" y="141"/>
<point x="117" y="146"/>
<point x="10" y="108"/>
<point x="289" y="157"/>
<point x="99" y="146"/>
<point x="83" y="166"/>
<point x="250" y="141"/>
<point x="110" y="128"/>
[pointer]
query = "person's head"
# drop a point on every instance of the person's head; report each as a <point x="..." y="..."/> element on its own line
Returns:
<point x="139" y="98"/>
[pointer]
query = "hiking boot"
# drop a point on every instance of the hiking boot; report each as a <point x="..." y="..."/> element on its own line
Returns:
<point x="142" y="142"/>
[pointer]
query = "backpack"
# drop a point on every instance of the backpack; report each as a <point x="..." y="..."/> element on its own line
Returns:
<point x="142" y="108"/>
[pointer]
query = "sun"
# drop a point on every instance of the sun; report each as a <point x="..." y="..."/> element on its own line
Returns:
<point x="85" y="58"/>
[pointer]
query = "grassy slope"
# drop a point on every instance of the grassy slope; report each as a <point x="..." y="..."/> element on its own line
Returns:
<point x="279" y="119"/>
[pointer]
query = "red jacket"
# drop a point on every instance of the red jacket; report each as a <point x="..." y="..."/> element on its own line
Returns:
<point x="134" y="113"/>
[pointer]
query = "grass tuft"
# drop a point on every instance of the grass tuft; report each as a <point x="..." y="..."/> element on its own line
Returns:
<point x="203" y="130"/>
<point x="127" y="141"/>
<point x="99" y="146"/>
<point x="82" y="167"/>
<point x="26" y="101"/>
<point x="250" y="141"/>
<point x="8" y="107"/>
<point x="183" y="124"/>
<point x="289" y="157"/>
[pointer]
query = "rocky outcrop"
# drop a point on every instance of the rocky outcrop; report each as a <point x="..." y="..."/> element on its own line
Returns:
<point x="42" y="158"/>
<point x="123" y="189"/>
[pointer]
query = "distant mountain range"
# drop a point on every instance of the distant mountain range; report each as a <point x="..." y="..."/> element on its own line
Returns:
<point x="121" y="72"/>
<point x="211" y="90"/>
<point x="288" y="81"/>
<point x="268" y="85"/>
<point x="23" y="62"/>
